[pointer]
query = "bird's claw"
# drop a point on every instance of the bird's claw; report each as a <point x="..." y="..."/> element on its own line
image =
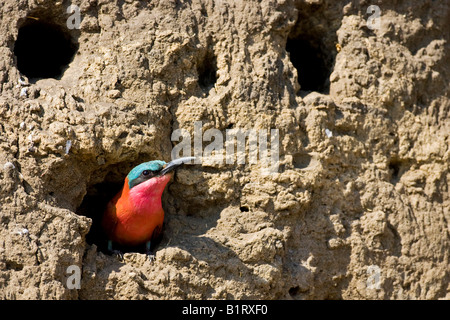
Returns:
<point x="118" y="254"/>
<point x="115" y="253"/>
<point x="151" y="256"/>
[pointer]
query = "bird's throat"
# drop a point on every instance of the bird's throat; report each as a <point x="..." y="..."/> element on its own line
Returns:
<point x="146" y="196"/>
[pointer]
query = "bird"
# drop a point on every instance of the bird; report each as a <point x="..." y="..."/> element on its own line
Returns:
<point x="134" y="216"/>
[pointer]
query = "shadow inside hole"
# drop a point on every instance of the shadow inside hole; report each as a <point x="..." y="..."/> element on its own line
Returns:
<point x="43" y="50"/>
<point x="394" y="169"/>
<point x="207" y="72"/>
<point x="293" y="292"/>
<point x="93" y="206"/>
<point x="312" y="63"/>
<point x="397" y="167"/>
<point x="244" y="209"/>
<point x="301" y="160"/>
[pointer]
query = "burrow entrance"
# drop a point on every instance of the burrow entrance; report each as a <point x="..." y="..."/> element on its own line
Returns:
<point x="206" y="66"/>
<point x="93" y="205"/>
<point x="43" y="49"/>
<point x="312" y="48"/>
<point x="207" y="72"/>
<point x="311" y="64"/>
<point x="107" y="183"/>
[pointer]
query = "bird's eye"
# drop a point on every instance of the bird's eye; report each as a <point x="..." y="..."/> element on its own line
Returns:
<point x="146" y="172"/>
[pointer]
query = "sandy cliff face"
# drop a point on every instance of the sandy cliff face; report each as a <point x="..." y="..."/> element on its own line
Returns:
<point x="358" y="209"/>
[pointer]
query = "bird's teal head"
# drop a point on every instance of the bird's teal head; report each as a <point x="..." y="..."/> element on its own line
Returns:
<point x="144" y="172"/>
<point x="148" y="170"/>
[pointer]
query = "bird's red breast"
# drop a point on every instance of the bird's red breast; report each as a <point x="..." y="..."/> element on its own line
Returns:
<point x="133" y="214"/>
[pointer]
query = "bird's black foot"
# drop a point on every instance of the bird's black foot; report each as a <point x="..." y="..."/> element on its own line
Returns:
<point x="117" y="253"/>
<point x="151" y="256"/>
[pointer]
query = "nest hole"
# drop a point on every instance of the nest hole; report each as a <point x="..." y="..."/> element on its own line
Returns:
<point x="94" y="204"/>
<point x="43" y="49"/>
<point x="301" y="160"/>
<point x="313" y="68"/>
<point x="207" y="72"/>
<point x="397" y="168"/>
<point x="244" y="209"/>
<point x="294" y="291"/>
<point x="311" y="45"/>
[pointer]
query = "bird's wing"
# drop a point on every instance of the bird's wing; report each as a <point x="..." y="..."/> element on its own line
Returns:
<point x="157" y="233"/>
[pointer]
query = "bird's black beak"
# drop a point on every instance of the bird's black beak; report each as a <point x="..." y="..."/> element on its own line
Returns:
<point x="172" y="165"/>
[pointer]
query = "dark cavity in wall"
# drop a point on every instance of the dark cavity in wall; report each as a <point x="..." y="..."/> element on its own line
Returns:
<point x="397" y="167"/>
<point x="94" y="203"/>
<point x="207" y="71"/>
<point x="312" y="68"/>
<point x="311" y="45"/>
<point x="43" y="49"/>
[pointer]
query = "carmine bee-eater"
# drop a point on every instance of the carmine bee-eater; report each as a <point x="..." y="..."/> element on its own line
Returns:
<point x="135" y="215"/>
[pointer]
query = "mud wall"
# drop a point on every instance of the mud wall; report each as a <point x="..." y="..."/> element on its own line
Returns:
<point x="358" y="208"/>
